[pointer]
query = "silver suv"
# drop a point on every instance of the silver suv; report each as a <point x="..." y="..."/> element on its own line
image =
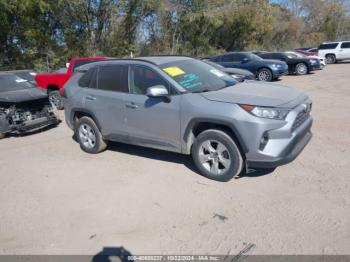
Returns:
<point x="184" y="105"/>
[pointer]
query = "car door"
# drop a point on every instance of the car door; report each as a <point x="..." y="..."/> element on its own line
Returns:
<point x="105" y="100"/>
<point x="344" y="51"/>
<point x="230" y="60"/>
<point x="152" y="122"/>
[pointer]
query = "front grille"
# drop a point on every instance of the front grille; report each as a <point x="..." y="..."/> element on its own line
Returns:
<point x="300" y="119"/>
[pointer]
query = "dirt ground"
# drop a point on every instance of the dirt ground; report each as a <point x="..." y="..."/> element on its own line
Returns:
<point x="56" y="199"/>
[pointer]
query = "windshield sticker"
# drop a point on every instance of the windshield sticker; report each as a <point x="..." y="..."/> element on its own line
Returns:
<point x="217" y="72"/>
<point x="190" y="81"/>
<point x="173" y="71"/>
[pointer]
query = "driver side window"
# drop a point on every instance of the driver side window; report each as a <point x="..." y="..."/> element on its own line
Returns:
<point x="142" y="78"/>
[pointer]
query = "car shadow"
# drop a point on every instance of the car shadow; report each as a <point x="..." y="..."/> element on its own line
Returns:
<point x="255" y="172"/>
<point x="151" y="153"/>
<point x="177" y="158"/>
<point x="109" y="254"/>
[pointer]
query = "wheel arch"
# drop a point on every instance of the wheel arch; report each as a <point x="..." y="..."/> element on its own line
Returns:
<point x="52" y="87"/>
<point x="198" y="125"/>
<point x="78" y="113"/>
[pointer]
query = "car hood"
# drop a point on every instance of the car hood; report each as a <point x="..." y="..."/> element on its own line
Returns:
<point x="24" y="95"/>
<point x="258" y="94"/>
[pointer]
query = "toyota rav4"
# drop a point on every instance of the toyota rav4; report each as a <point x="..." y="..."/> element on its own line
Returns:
<point x="184" y="105"/>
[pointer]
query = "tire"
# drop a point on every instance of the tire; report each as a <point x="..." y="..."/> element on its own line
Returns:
<point x="331" y="59"/>
<point x="264" y="74"/>
<point x="56" y="99"/>
<point x="2" y="135"/>
<point x="301" y="69"/>
<point x="89" y="136"/>
<point x="216" y="155"/>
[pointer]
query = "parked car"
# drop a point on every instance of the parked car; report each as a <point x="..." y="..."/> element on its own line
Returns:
<point x="334" y="51"/>
<point x="23" y="106"/>
<point x="322" y="59"/>
<point x="238" y="74"/>
<point x="184" y="105"/>
<point x="307" y="51"/>
<point x="296" y="65"/>
<point x="264" y="70"/>
<point x="52" y="83"/>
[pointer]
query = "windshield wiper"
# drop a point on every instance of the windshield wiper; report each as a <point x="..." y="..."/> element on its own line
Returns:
<point x="202" y="91"/>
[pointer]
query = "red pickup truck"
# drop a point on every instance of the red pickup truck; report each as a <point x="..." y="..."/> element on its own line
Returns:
<point x="54" y="82"/>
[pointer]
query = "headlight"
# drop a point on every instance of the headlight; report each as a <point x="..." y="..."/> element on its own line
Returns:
<point x="276" y="66"/>
<point x="266" y="112"/>
<point x="313" y="61"/>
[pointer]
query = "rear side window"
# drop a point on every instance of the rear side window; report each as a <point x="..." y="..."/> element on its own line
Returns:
<point x="113" y="78"/>
<point x="266" y="56"/>
<point x="227" y="58"/>
<point x="345" y="45"/>
<point x="217" y="59"/>
<point x="89" y="78"/>
<point x="328" y="46"/>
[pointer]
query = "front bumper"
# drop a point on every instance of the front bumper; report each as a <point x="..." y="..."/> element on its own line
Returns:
<point x="34" y="125"/>
<point x="315" y="67"/>
<point x="292" y="151"/>
<point x="279" y="72"/>
<point x="285" y="143"/>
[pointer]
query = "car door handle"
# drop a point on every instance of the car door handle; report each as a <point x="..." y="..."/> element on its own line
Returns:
<point x="90" y="98"/>
<point x="131" y="105"/>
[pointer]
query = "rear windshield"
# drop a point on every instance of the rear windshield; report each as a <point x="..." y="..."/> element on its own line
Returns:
<point x="13" y="83"/>
<point x="194" y="75"/>
<point x="328" y="46"/>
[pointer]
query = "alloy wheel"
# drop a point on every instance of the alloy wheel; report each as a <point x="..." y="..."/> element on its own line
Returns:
<point x="330" y="59"/>
<point x="87" y="136"/>
<point x="301" y="69"/>
<point x="264" y="75"/>
<point x="214" y="157"/>
<point x="55" y="100"/>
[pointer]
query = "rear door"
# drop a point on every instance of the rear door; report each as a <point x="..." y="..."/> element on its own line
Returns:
<point x="105" y="99"/>
<point x="232" y="60"/>
<point x="344" y="51"/>
<point x="152" y="122"/>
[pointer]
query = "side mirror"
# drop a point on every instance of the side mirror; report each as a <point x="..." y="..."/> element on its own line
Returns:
<point x="157" y="91"/>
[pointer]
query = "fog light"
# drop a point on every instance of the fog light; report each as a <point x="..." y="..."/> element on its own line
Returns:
<point x="263" y="141"/>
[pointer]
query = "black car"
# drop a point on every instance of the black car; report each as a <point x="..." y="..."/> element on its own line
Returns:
<point x="238" y="74"/>
<point x="263" y="70"/>
<point x="23" y="107"/>
<point x="296" y="65"/>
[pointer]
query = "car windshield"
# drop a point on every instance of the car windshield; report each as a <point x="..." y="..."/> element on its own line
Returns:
<point x="296" y="54"/>
<point x="13" y="83"/>
<point x="291" y="55"/>
<point x="253" y="57"/>
<point x="197" y="76"/>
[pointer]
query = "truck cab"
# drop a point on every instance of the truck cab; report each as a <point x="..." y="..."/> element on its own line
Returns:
<point x="54" y="82"/>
